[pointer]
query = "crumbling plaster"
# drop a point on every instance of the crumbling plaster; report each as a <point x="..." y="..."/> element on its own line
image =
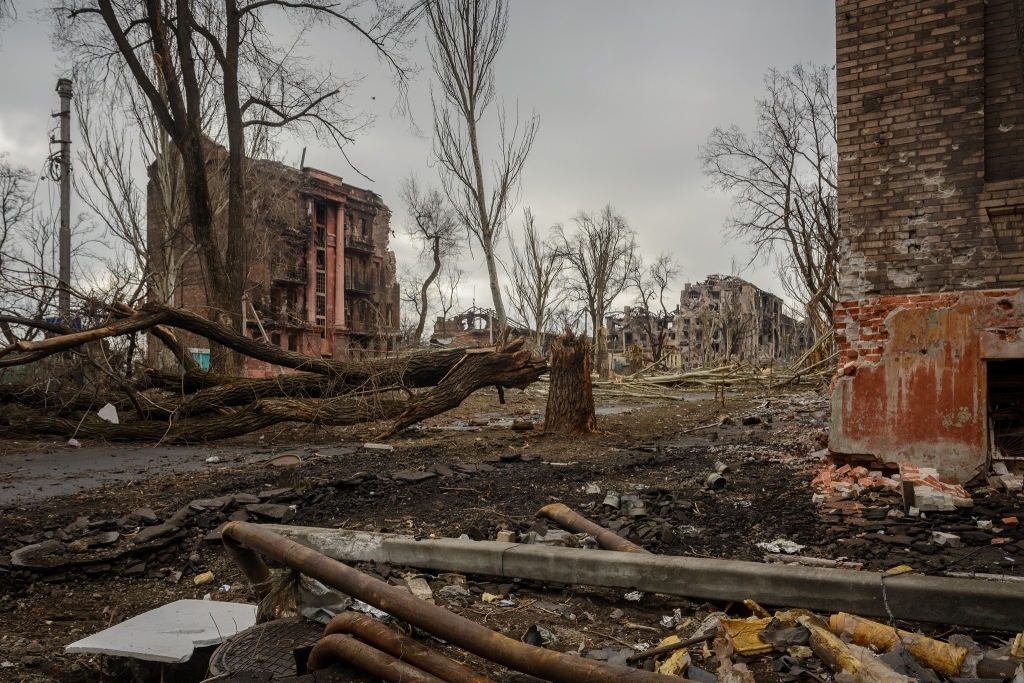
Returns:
<point x="912" y="383"/>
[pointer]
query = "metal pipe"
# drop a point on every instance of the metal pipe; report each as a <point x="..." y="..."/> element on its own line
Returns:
<point x="249" y="561"/>
<point x="570" y="520"/>
<point x="398" y="645"/>
<point x="437" y="621"/>
<point x="360" y="655"/>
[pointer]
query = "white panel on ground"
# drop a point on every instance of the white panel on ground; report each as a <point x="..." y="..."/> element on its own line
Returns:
<point x="170" y="633"/>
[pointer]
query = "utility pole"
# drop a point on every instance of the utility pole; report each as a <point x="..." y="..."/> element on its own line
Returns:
<point x="64" y="240"/>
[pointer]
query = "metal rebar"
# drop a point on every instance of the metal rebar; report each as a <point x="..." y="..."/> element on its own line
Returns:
<point x="570" y="520"/>
<point x="672" y="647"/>
<point x="331" y="649"/>
<point x="437" y="621"/>
<point x="402" y="647"/>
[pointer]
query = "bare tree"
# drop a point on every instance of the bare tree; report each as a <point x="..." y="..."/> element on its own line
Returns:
<point x="16" y="202"/>
<point x="415" y="308"/>
<point x="467" y="36"/>
<point x="448" y="291"/>
<point x="264" y="87"/>
<point x="601" y="257"/>
<point x="783" y="181"/>
<point x="537" y="267"/>
<point x="651" y="285"/>
<point x="434" y="227"/>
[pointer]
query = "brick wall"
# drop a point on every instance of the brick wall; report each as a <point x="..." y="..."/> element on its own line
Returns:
<point x="931" y="198"/>
<point x="919" y="114"/>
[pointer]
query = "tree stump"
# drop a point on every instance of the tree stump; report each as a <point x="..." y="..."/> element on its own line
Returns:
<point x="570" y="395"/>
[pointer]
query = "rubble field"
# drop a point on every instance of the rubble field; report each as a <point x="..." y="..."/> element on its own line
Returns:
<point x="74" y="565"/>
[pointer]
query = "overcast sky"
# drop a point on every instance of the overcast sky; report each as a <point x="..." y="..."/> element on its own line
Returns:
<point x="625" y="92"/>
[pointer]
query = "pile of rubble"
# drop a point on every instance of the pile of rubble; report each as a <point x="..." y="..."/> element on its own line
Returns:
<point x="372" y="611"/>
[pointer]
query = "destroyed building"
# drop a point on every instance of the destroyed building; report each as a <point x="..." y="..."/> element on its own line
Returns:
<point x="727" y="318"/>
<point x="654" y="332"/>
<point x="474" y="327"/>
<point x="321" y="272"/>
<point x="931" y="198"/>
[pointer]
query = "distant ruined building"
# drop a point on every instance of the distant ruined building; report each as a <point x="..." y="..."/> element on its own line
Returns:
<point x="721" y="319"/>
<point x="322" y="276"/>
<point x="474" y="327"/>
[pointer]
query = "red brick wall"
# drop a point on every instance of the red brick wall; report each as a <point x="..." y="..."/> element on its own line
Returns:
<point x="911" y="382"/>
<point x="919" y="122"/>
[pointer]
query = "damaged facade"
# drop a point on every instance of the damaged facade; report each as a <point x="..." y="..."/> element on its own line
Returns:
<point x="931" y="195"/>
<point x="321" y="275"/>
<point x="728" y="318"/>
<point x="723" y="318"/>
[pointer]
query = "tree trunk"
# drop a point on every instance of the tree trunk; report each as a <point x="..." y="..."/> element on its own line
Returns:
<point x="570" y="396"/>
<point x="601" y="352"/>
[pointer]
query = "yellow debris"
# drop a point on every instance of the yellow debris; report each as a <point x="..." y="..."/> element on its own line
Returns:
<point x="901" y="569"/>
<point x="746" y="635"/>
<point x="677" y="662"/>
<point x="945" y="658"/>
<point x="203" y="579"/>
<point x="759" y="612"/>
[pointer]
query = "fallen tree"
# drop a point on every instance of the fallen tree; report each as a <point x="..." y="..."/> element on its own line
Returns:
<point x="199" y="406"/>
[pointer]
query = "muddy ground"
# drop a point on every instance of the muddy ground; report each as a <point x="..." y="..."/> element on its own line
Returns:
<point x="455" y="476"/>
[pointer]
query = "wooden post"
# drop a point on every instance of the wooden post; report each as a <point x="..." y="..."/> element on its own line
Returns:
<point x="570" y="395"/>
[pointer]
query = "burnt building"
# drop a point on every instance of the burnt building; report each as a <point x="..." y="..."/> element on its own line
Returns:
<point x="727" y="318"/>
<point x="722" y="319"/>
<point x="931" y="199"/>
<point x="321" y="273"/>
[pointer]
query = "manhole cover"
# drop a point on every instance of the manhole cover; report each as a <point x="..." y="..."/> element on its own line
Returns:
<point x="265" y="647"/>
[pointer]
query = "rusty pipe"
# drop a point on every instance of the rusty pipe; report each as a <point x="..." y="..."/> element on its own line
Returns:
<point x="251" y="564"/>
<point x="331" y="649"/>
<point x="571" y="520"/>
<point x="402" y="647"/>
<point x="437" y="621"/>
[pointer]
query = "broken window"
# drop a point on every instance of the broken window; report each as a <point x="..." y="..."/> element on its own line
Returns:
<point x="321" y="267"/>
<point x="1006" y="408"/>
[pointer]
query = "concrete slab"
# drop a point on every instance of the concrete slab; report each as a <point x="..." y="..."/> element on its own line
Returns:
<point x="170" y="633"/>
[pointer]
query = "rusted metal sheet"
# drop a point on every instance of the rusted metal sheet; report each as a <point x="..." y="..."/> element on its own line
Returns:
<point x="923" y="399"/>
<point x="437" y="621"/>
<point x="572" y="521"/>
<point x="401" y="646"/>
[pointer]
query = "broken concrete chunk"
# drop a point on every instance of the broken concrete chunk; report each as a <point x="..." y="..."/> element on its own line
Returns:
<point x="108" y="413"/>
<point x="945" y="540"/>
<point x="245" y="498"/>
<point x="453" y="592"/>
<point x="378" y="447"/>
<point x="506" y="537"/>
<point x="419" y="588"/>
